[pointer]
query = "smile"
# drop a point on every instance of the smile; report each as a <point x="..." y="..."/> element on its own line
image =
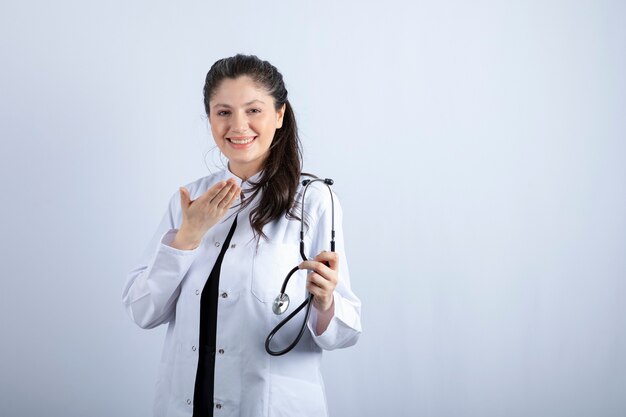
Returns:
<point x="241" y="141"/>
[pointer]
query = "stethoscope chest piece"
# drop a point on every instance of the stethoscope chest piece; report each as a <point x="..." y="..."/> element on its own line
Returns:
<point x="281" y="304"/>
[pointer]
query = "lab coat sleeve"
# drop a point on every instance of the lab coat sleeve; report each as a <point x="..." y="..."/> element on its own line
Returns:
<point x="153" y="285"/>
<point x="344" y="328"/>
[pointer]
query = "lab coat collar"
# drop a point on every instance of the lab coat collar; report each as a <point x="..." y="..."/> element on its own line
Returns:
<point x="245" y="185"/>
<point x="242" y="183"/>
<point x="229" y="174"/>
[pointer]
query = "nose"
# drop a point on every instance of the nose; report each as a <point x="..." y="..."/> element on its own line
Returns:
<point x="239" y="122"/>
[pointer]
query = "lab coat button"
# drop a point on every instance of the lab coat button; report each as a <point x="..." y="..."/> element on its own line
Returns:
<point x="193" y="348"/>
<point x="188" y="401"/>
<point x="197" y="292"/>
<point x="224" y="295"/>
<point x="233" y="246"/>
<point x="218" y="406"/>
<point x="217" y="244"/>
<point x="221" y="351"/>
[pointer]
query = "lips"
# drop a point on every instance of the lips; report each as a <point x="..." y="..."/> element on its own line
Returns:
<point x="241" y="142"/>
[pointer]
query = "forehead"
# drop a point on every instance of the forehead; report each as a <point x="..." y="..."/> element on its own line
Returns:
<point x="239" y="91"/>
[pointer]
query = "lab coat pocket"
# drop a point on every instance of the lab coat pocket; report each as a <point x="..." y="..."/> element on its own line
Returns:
<point x="272" y="263"/>
<point x="295" y="397"/>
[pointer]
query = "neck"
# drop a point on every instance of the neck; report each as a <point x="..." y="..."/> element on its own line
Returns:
<point x="244" y="172"/>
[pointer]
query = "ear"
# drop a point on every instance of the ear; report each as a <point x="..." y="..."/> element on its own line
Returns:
<point x="280" y="115"/>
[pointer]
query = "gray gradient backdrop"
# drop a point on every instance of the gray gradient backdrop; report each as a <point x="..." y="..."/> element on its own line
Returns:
<point x="479" y="149"/>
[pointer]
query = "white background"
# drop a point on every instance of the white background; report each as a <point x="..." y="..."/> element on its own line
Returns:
<point x="478" y="148"/>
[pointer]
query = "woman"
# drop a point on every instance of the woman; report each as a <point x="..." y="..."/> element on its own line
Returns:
<point x="221" y="252"/>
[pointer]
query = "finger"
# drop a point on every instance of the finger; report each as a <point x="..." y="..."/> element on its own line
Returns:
<point x="320" y="281"/>
<point x="185" y="200"/>
<point x="212" y="192"/>
<point x="235" y="195"/>
<point x="321" y="297"/>
<point x="322" y="271"/>
<point x="318" y="267"/>
<point x="233" y="192"/>
<point x="315" y="290"/>
<point x="331" y="257"/>
<point x="230" y="196"/>
<point x="318" y="285"/>
<point x="221" y="194"/>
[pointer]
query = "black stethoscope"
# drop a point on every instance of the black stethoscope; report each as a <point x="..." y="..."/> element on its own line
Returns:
<point x="281" y="303"/>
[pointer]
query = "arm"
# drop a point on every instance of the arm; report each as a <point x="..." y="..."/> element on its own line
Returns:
<point x="153" y="285"/>
<point x="338" y="323"/>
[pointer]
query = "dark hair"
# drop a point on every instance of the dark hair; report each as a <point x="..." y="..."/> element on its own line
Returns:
<point x="283" y="166"/>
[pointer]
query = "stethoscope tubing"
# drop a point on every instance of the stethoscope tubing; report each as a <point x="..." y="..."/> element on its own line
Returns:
<point x="306" y="303"/>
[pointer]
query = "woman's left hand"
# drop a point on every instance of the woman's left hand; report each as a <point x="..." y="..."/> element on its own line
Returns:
<point x="322" y="280"/>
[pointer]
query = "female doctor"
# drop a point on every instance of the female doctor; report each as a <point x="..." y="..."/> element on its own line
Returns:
<point x="219" y="257"/>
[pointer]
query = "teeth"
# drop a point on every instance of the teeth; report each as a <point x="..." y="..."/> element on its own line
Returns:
<point x="241" y="141"/>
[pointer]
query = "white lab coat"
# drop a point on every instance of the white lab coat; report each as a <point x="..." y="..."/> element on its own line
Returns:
<point x="166" y="287"/>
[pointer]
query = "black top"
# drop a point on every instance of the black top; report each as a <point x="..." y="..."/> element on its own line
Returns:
<point x="203" y="393"/>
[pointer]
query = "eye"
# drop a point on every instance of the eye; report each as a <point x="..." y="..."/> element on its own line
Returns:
<point x="222" y="113"/>
<point x="255" y="110"/>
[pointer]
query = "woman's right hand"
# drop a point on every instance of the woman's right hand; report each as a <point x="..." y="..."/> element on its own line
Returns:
<point x="202" y="213"/>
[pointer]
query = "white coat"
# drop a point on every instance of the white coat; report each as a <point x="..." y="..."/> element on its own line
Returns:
<point x="166" y="287"/>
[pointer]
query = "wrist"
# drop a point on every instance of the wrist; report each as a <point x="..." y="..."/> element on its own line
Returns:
<point x="185" y="241"/>
<point x="326" y="306"/>
<point x="324" y="318"/>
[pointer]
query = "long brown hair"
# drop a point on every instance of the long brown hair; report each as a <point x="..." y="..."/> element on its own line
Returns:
<point x="283" y="166"/>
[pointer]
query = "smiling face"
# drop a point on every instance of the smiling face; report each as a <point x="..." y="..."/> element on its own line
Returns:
<point x="243" y="122"/>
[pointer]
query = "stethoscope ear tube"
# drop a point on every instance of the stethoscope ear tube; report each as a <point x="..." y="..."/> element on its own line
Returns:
<point x="281" y="303"/>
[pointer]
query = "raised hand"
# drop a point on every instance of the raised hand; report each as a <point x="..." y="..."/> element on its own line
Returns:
<point x="204" y="212"/>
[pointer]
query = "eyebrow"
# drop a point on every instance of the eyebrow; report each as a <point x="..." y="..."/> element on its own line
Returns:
<point x="245" y="104"/>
